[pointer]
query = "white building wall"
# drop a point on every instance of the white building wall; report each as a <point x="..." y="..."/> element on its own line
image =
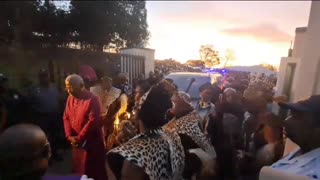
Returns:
<point x="294" y="86"/>
<point x="316" y="87"/>
<point x="306" y="55"/>
<point x="299" y="42"/>
<point x="297" y="53"/>
<point x="147" y="53"/>
<point x="306" y="76"/>
<point x="285" y="61"/>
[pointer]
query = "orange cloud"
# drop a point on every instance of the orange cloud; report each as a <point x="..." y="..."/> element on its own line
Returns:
<point x="262" y="32"/>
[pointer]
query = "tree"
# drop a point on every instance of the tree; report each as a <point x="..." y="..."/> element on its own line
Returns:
<point x="209" y="56"/>
<point x="94" y="25"/>
<point x="229" y="56"/>
<point x="195" y="63"/>
<point x="54" y="25"/>
<point x="17" y="21"/>
<point x="34" y="22"/>
<point x="109" y="24"/>
<point x="136" y="24"/>
<point x="270" y="67"/>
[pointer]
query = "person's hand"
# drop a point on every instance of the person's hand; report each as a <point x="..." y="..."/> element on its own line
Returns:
<point x="280" y="99"/>
<point x="240" y="154"/>
<point x="73" y="140"/>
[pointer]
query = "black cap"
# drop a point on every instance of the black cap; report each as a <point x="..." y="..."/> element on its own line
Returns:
<point x="312" y="105"/>
<point x="3" y="78"/>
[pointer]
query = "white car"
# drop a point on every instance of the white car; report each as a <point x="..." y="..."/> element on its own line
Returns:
<point x="193" y="79"/>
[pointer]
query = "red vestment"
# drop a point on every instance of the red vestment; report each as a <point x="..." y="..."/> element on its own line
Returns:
<point x="82" y="119"/>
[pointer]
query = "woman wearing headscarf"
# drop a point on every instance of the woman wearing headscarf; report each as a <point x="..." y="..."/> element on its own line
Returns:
<point x="186" y="122"/>
<point x="89" y="76"/>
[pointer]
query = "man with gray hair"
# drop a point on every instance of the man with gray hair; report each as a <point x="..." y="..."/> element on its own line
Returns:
<point x="83" y="129"/>
<point x="110" y="93"/>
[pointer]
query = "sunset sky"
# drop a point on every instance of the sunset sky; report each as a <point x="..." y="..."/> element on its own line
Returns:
<point x="258" y="32"/>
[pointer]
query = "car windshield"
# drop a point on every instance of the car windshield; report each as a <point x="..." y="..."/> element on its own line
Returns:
<point x="183" y="81"/>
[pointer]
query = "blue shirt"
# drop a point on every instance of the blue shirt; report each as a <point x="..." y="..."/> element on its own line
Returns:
<point x="307" y="164"/>
<point x="45" y="100"/>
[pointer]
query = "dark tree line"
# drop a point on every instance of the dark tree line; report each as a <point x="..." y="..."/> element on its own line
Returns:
<point x="93" y="25"/>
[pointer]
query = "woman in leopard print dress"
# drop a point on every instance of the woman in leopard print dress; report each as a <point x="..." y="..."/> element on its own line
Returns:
<point x="156" y="154"/>
<point x="189" y="149"/>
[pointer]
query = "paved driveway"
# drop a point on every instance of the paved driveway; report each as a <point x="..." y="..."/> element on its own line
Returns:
<point x="61" y="168"/>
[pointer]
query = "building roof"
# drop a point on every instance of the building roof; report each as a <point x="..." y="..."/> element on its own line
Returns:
<point x="252" y="69"/>
<point x="301" y="29"/>
<point x="137" y="48"/>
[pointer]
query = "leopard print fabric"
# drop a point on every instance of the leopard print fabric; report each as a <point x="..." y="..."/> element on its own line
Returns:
<point x="190" y="126"/>
<point x="159" y="152"/>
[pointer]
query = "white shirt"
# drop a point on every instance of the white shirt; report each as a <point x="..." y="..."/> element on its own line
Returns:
<point x="98" y="91"/>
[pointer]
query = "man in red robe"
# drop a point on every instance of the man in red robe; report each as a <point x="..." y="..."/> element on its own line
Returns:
<point x="83" y="129"/>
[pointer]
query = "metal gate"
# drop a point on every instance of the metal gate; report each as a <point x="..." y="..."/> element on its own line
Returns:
<point x="132" y="65"/>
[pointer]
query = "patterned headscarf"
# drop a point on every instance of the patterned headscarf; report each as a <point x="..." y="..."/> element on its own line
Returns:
<point x="166" y="85"/>
<point x="259" y="88"/>
<point x="185" y="97"/>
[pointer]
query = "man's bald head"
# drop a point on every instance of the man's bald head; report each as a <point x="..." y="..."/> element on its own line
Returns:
<point x="74" y="84"/>
<point x="21" y="151"/>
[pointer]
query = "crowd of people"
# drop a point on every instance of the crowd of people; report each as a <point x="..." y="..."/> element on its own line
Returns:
<point x="168" y="66"/>
<point x="151" y="130"/>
